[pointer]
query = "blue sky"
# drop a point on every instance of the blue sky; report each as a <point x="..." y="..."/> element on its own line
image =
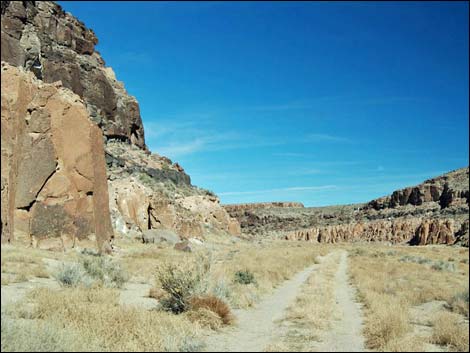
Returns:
<point x="322" y="103"/>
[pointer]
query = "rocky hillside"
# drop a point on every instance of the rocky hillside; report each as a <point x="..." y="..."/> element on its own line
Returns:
<point x="46" y="49"/>
<point x="435" y="211"/>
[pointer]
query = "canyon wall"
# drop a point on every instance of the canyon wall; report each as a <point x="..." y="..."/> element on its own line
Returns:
<point x="433" y="212"/>
<point x="54" y="186"/>
<point x="61" y="189"/>
<point x="55" y="46"/>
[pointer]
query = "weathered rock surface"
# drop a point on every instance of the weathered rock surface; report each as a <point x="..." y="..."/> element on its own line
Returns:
<point x="54" y="187"/>
<point x="448" y="189"/>
<point x="55" y="46"/>
<point x="141" y="200"/>
<point x="412" y="230"/>
<point x="434" y="212"/>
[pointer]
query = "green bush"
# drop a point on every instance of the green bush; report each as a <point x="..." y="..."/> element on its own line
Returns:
<point x="244" y="277"/>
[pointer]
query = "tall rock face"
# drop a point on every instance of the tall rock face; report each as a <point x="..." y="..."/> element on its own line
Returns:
<point x="147" y="191"/>
<point x="55" y="46"/>
<point x="54" y="183"/>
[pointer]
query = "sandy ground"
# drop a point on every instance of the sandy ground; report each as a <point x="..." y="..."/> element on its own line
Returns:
<point x="346" y="333"/>
<point x="257" y="328"/>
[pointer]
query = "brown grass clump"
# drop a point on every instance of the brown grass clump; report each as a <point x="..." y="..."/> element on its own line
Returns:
<point x="449" y="330"/>
<point x="205" y="318"/>
<point x="214" y="304"/>
<point x="387" y="320"/>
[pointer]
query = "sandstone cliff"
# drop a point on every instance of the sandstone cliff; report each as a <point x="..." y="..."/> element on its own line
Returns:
<point x="54" y="187"/>
<point x="55" y="46"/>
<point x="433" y="212"/>
<point x="448" y="189"/>
<point x="147" y="190"/>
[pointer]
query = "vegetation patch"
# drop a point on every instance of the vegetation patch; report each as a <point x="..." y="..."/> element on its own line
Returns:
<point x="244" y="277"/>
<point x="92" y="270"/>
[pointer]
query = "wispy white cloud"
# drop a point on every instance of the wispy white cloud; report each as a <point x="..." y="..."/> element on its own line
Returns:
<point x="319" y="137"/>
<point x="287" y="189"/>
<point x="188" y="137"/>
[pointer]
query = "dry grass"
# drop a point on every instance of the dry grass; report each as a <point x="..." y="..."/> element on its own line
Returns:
<point x="94" y="315"/>
<point x="94" y="318"/>
<point x="450" y="330"/>
<point x="206" y="318"/>
<point x="391" y="281"/>
<point x="270" y="264"/>
<point x="156" y="293"/>
<point x="18" y="266"/>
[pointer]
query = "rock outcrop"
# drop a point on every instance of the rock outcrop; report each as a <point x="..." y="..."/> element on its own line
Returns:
<point x="144" y="196"/>
<point x="449" y="189"/>
<point x="55" y="46"/>
<point x="61" y="183"/>
<point x="400" y="231"/>
<point x="54" y="183"/>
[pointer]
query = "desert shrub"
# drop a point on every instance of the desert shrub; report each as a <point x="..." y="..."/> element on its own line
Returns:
<point x="92" y="270"/>
<point x="213" y="304"/>
<point x="244" y="277"/>
<point x="96" y="315"/>
<point x="104" y="270"/>
<point x="146" y="179"/>
<point x="443" y="266"/>
<point x="181" y="284"/>
<point x="357" y="252"/>
<point x="70" y="275"/>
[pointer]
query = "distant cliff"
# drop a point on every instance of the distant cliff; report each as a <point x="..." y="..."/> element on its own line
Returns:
<point x="434" y="212"/>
